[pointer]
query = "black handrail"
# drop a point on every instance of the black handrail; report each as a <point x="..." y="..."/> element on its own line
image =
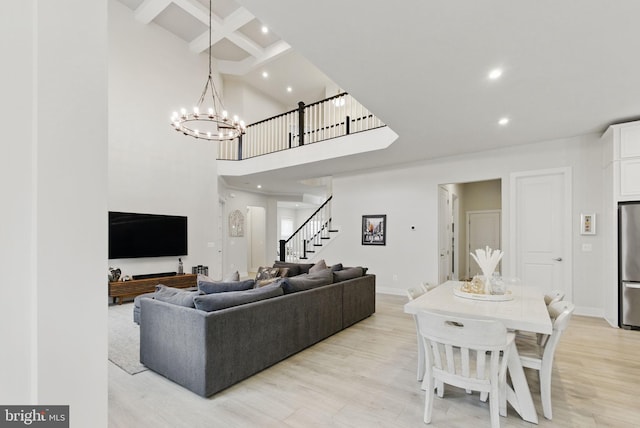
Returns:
<point x="283" y="242"/>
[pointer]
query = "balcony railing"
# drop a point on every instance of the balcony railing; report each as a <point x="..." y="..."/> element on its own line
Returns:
<point x="330" y="118"/>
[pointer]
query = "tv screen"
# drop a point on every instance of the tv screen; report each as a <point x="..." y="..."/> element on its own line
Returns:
<point x="134" y="235"/>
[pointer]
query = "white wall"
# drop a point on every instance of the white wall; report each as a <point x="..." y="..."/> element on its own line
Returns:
<point x="408" y="195"/>
<point x="152" y="168"/>
<point x="236" y="248"/>
<point x="254" y="105"/>
<point x="53" y="177"/>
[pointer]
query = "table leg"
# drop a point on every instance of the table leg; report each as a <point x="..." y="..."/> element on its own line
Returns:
<point x="520" y="397"/>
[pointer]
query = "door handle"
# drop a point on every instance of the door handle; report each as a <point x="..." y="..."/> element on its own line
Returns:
<point x="631" y="285"/>
<point x="558" y="259"/>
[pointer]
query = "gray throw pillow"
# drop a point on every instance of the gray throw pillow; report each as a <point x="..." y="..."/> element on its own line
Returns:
<point x="217" y="301"/>
<point x="206" y="287"/>
<point x="307" y="281"/>
<point x="336" y="267"/>
<point x="301" y="267"/>
<point x="347" y="273"/>
<point x="320" y="265"/>
<point x="175" y="296"/>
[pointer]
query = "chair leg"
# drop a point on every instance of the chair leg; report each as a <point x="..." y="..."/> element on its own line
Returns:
<point x="494" y="404"/>
<point x="421" y="361"/>
<point x="428" y="398"/>
<point x="545" y="390"/>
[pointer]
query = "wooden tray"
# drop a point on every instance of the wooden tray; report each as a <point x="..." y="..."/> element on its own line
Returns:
<point x="487" y="297"/>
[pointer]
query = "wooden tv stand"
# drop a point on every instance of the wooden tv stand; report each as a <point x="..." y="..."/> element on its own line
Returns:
<point x="123" y="289"/>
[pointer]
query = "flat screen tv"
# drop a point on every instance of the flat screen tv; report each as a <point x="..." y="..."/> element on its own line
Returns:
<point x="133" y="235"/>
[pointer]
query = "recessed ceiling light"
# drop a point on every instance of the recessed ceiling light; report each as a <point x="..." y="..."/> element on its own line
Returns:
<point x="503" y="121"/>
<point x="495" y="73"/>
<point x="259" y="186"/>
<point x="289" y="89"/>
<point x="265" y="74"/>
<point x="265" y="29"/>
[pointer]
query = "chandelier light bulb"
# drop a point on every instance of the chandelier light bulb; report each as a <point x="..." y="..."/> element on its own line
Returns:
<point x="235" y="118"/>
<point x="209" y="135"/>
<point x="221" y="135"/>
<point x="224" y="114"/>
<point x="210" y="111"/>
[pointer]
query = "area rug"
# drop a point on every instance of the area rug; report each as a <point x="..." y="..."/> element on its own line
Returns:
<point x="124" y="339"/>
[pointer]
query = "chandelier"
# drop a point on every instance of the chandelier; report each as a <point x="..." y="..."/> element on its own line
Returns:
<point x="208" y="124"/>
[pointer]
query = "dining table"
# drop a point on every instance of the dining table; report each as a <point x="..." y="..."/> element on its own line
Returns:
<point x="522" y="309"/>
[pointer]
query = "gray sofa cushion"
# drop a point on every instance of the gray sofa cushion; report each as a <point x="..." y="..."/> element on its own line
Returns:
<point x="307" y="281"/>
<point x="347" y="273"/>
<point x="217" y="301"/>
<point x="177" y="296"/>
<point x="207" y="287"/>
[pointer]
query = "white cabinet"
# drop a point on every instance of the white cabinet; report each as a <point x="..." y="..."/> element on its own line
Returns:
<point x="621" y="182"/>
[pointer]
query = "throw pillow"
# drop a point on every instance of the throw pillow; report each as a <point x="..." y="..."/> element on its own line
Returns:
<point x="307" y="281"/>
<point x="320" y="265"/>
<point x="215" y="302"/>
<point x="336" y="267"/>
<point x="302" y="267"/>
<point x="264" y="282"/>
<point x="348" y="273"/>
<point x="175" y="296"/>
<point x="267" y="272"/>
<point x="206" y="287"/>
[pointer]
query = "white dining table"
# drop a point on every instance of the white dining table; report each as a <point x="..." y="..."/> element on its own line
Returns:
<point x="525" y="312"/>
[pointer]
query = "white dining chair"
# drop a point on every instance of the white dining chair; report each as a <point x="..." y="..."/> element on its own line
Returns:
<point x="412" y="294"/>
<point x="540" y="356"/>
<point x="553" y="297"/>
<point x="450" y="342"/>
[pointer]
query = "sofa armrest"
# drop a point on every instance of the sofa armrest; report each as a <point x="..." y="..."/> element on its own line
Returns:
<point x="358" y="299"/>
<point x="172" y="342"/>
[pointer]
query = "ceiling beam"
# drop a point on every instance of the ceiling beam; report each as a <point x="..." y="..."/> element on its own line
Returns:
<point x="240" y="68"/>
<point x="149" y="9"/>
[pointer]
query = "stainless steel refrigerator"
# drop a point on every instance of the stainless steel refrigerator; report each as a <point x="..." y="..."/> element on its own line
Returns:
<point x="629" y="264"/>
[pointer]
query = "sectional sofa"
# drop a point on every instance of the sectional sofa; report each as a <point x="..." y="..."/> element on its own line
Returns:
<point x="208" y="351"/>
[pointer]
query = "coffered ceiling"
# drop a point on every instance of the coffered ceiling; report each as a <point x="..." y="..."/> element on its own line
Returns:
<point x="242" y="49"/>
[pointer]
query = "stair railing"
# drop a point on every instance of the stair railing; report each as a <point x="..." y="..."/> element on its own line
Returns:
<point x="309" y="236"/>
<point x="333" y="117"/>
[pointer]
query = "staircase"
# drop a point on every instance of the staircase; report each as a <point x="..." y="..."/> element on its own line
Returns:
<point x="315" y="232"/>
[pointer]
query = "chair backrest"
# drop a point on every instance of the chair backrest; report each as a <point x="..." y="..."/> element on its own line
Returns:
<point x="449" y="341"/>
<point x="414" y="293"/>
<point x="428" y="287"/>
<point x="553" y="297"/>
<point x="472" y="333"/>
<point x="560" y="313"/>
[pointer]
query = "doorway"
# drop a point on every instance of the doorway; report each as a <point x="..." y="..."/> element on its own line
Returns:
<point x="455" y="200"/>
<point x="483" y="229"/>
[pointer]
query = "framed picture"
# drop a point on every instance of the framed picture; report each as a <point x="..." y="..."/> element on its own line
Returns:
<point x="587" y="224"/>
<point x="374" y="229"/>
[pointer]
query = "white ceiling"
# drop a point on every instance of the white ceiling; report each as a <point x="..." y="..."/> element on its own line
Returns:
<point x="570" y="67"/>
<point x="242" y="51"/>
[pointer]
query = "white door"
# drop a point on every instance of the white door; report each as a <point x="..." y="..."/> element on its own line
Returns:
<point x="444" y="235"/>
<point x="541" y="229"/>
<point x="483" y="229"/>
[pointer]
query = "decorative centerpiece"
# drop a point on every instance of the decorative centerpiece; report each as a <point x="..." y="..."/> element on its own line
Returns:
<point x="488" y="260"/>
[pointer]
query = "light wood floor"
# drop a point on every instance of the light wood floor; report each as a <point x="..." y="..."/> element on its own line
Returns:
<point x="365" y="377"/>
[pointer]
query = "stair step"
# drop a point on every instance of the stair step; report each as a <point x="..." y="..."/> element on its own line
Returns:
<point x="317" y="245"/>
<point x="303" y="258"/>
<point x="325" y="237"/>
<point x="310" y="251"/>
<point x="333" y="230"/>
